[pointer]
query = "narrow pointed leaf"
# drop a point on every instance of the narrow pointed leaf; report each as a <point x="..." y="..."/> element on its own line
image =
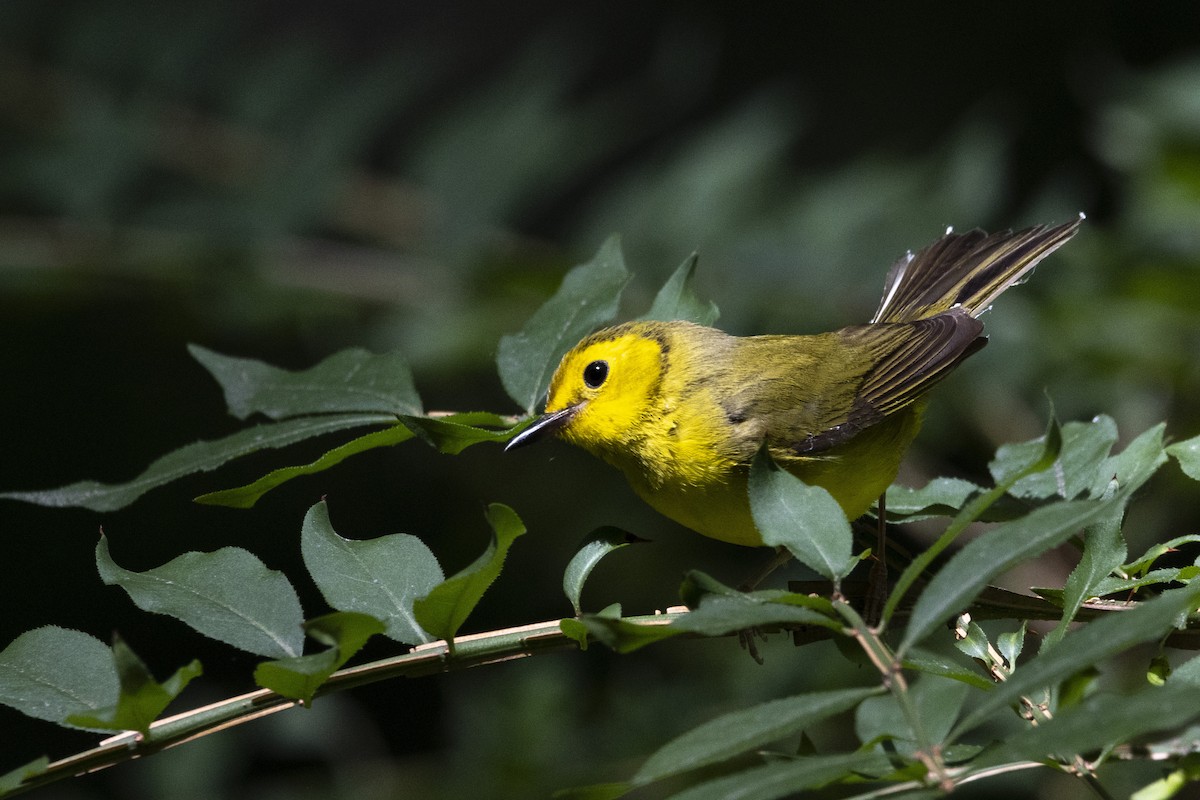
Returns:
<point x="203" y="456"/>
<point x="973" y="567"/>
<point x="142" y="699"/>
<point x="936" y="664"/>
<point x="350" y="381"/>
<point x="781" y="779"/>
<point x="939" y="497"/>
<point x="51" y="673"/>
<point x="677" y="299"/>
<point x="381" y="577"/>
<point x="1187" y="453"/>
<point x="1100" y="721"/>
<point x="443" y="611"/>
<point x="228" y="595"/>
<point x="720" y="615"/>
<point x="15" y="777"/>
<point x="246" y="496"/>
<point x="741" y="731"/>
<point x="1085" y="647"/>
<point x="620" y="635"/>
<point x="596" y="546"/>
<point x="804" y="519"/>
<point x="344" y="632"/>
<point x="1103" y="551"/>
<point x="587" y="298"/>
<point x="457" y="432"/>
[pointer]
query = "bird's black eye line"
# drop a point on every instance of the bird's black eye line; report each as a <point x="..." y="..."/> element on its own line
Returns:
<point x="595" y="373"/>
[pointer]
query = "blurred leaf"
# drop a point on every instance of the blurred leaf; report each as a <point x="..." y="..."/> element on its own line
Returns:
<point x="587" y="298"/>
<point x="246" y="496"/>
<point x="381" y="577"/>
<point x="454" y="433"/>
<point x="1086" y="647"/>
<point x="939" y="497"/>
<point x="15" y="777"/>
<point x="677" y="298"/>
<point x="447" y="606"/>
<point x="996" y="551"/>
<point x="1171" y="784"/>
<point x="227" y="595"/>
<point x="804" y="519"/>
<point x="201" y="456"/>
<point x="344" y="632"/>
<point x="740" y="731"/>
<point x="596" y="545"/>
<point x="51" y="673"/>
<point x="1187" y="453"/>
<point x="786" y="778"/>
<point x="937" y="701"/>
<point x="1100" y="721"/>
<point x="142" y="699"/>
<point x="1085" y="445"/>
<point x="1188" y="672"/>
<point x="350" y="381"/>
<point x="598" y="791"/>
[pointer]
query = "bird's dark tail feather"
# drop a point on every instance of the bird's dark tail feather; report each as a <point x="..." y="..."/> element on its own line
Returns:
<point x="967" y="269"/>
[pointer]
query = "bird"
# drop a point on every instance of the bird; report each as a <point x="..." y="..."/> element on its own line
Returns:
<point x="682" y="409"/>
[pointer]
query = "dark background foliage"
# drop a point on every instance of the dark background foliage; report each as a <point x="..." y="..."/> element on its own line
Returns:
<point x="282" y="180"/>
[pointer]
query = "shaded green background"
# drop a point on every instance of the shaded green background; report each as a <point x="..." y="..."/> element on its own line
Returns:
<point x="282" y="180"/>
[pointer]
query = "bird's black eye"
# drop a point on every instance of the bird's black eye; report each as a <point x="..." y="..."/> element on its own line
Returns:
<point x="595" y="373"/>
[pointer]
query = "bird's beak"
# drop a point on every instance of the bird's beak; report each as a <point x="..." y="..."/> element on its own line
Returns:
<point x="543" y="426"/>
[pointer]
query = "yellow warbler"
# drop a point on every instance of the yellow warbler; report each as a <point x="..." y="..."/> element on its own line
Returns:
<point x="681" y="409"/>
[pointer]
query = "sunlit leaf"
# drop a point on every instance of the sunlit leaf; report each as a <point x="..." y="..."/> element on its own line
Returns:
<point x="350" y="381"/>
<point x="343" y="632"/>
<point x="454" y="433"/>
<point x="804" y="519"/>
<point x="51" y="673"/>
<point x="228" y="595"/>
<point x="201" y="456"/>
<point x="142" y="699"/>
<point x="443" y="611"/>
<point x="1088" y="646"/>
<point x="246" y="496"/>
<point x="381" y="577"/>
<point x="677" y="299"/>
<point x="587" y="298"/>
<point x="596" y="546"/>
<point x="746" y="729"/>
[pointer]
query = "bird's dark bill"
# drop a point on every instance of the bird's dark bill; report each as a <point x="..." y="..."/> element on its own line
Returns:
<point x="543" y="426"/>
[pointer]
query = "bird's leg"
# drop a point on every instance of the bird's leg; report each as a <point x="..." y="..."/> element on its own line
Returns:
<point x="877" y="579"/>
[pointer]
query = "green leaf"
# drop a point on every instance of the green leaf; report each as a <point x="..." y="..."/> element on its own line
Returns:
<point x="939" y="497"/>
<point x="203" y="456"/>
<point x="1011" y="644"/>
<point x="443" y="611"/>
<point x="972" y="568"/>
<point x="804" y="519"/>
<point x="786" y="778"/>
<point x="343" y="632"/>
<point x="1187" y="453"/>
<point x="381" y="577"/>
<point x="588" y="298"/>
<point x="620" y="635"/>
<point x="936" y="700"/>
<point x="596" y="546"/>
<point x="1103" y="551"/>
<point x="454" y="433"/>
<point x="1086" y="647"/>
<point x="1156" y="551"/>
<point x="142" y="699"/>
<point x="14" y="778"/>
<point x="1188" y="672"/>
<point x="677" y="298"/>
<point x="246" y="496"/>
<point x="228" y="595"/>
<point x="740" y="731"/>
<point x="597" y="791"/>
<point x="1100" y="721"/>
<point x="974" y="644"/>
<point x="719" y="615"/>
<point x="935" y="664"/>
<point x="350" y="381"/>
<point x="51" y="673"/>
<point x="1085" y="446"/>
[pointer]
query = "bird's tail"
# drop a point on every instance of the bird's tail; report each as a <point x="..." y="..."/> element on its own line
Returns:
<point x="967" y="269"/>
